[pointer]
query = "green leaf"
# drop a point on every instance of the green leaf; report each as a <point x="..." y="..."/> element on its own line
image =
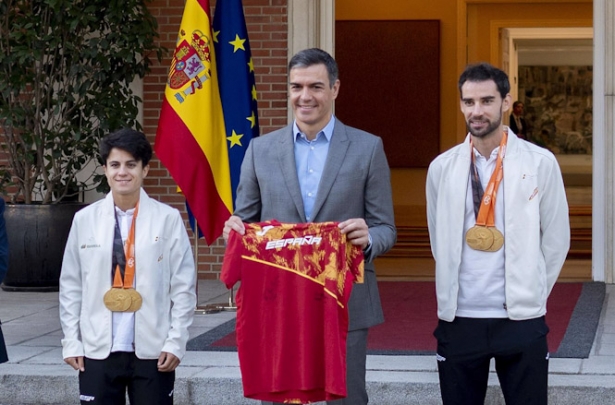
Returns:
<point x="65" y="70"/>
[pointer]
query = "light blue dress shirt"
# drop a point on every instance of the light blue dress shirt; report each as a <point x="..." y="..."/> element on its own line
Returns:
<point x="310" y="158"/>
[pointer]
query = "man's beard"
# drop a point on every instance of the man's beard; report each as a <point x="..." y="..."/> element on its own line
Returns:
<point x="492" y="126"/>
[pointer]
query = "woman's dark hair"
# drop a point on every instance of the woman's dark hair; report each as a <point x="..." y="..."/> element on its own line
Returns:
<point x="129" y="140"/>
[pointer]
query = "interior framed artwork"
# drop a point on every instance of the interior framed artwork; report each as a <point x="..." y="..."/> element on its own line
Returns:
<point x="558" y="107"/>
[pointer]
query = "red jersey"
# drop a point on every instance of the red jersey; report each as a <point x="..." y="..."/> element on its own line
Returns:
<point x="292" y="315"/>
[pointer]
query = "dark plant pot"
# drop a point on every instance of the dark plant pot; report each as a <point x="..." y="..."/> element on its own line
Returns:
<point x="37" y="236"/>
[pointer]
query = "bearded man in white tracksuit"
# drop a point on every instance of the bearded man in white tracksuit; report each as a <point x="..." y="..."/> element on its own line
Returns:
<point x="499" y="231"/>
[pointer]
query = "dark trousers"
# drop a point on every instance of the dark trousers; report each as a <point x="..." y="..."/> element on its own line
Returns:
<point x="466" y="346"/>
<point x="106" y="382"/>
<point x="356" y="355"/>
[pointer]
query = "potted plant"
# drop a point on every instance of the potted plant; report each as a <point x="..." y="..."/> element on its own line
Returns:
<point x="66" y="69"/>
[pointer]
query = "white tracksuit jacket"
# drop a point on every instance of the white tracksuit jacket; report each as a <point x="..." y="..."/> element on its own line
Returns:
<point x="165" y="277"/>
<point x="536" y="221"/>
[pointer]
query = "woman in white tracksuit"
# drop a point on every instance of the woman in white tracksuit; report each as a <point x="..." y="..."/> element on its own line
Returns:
<point x="136" y="347"/>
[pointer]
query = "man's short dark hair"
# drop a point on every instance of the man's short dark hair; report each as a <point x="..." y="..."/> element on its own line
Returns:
<point x="315" y="56"/>
<point x="516" y="103"/>
<point x="129" y="140"/>
<point x="482" y="72"/>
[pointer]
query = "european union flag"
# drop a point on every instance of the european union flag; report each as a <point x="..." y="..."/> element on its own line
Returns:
<point x="236" y="82"/>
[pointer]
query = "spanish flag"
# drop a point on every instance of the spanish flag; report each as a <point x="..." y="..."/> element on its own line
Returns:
<point x="191" y="137"/>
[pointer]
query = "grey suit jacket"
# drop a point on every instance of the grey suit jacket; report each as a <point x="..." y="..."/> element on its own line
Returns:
<point x="355" y="184"/>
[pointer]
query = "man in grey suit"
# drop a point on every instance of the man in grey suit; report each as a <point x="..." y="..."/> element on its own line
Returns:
<point x="316" y="170"/>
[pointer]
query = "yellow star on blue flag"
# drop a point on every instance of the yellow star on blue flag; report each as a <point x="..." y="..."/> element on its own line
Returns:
<point x="235" y="139"/>
<point x="237" y="43"/>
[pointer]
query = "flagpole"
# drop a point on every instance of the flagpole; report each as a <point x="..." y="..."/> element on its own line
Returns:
<point x="196" y="260"/>
<point x="209" y="308"/>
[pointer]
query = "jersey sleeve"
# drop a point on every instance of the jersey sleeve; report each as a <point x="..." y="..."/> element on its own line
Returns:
<point x="231" y="266"/>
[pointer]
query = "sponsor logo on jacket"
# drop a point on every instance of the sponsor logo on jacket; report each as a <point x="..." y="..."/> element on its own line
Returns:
<point x="85" y="246"/>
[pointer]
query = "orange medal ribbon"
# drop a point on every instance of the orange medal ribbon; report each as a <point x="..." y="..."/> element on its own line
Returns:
<point x="129" y="250"/>
<point x="486" y="214"/>
<point x="484" y="235"/>
<point x="122" y="297"/>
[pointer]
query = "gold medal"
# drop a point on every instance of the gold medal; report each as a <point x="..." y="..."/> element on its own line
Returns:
<point x="479" y="238"/>
<point x="498" y="240"/>
<point x="136" y="300"/>
<point x="117" y="300"/>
